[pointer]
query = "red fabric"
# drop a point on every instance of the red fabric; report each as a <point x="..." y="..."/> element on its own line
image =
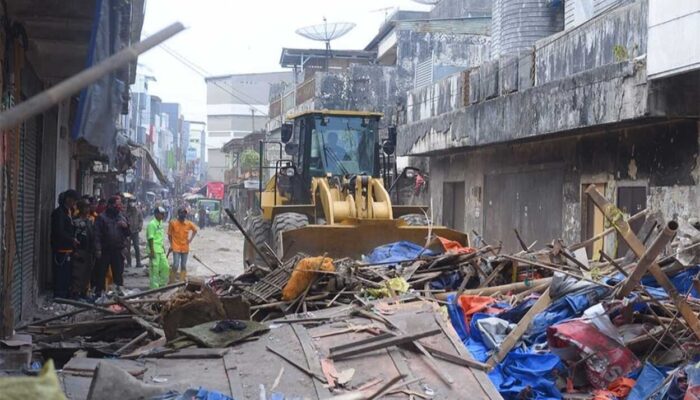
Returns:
<point x="606" y="360"/>
<point x="451" y="246"/>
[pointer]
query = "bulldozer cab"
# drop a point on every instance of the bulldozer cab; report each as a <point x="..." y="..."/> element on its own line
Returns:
<point x="334" y="143"/>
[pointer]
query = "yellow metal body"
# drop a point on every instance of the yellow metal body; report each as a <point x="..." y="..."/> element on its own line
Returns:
<point x="356" y="221"/>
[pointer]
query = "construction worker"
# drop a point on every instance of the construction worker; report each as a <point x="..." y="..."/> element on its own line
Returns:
<point x="159" y="269"/>
<point x="179" y="236"/>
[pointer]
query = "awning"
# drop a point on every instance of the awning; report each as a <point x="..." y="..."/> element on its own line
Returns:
<point x="141" y="151"/>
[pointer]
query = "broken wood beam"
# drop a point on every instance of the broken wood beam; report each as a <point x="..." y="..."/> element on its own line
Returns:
<point x="648" y="258"/>
<point x="296" y="364"/>
<point x="616" y="218"/>
<point x="380" y="342"/>
<point x="487" y="291"/>
<point x="605" y="233"/>
<point x="514" y="336"/>
<point x="80" y="304"/>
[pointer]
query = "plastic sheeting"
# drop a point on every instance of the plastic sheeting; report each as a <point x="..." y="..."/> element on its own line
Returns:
<point x="100" y="103"/>
<point x="523" y="370"/>
<point x="398" y="252"/>
<point x="569" y="306"/>
<point x="605" y="359"/>
<point x="648" y="381"/>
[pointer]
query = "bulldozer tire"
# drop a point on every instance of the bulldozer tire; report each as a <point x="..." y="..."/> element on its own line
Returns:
<point x="415" y="219"/>
<point x="283" y="223"/>
<point x="259" y="231"/>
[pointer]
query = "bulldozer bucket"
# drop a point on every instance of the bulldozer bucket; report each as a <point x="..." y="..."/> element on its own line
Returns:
<point x="357" y="237"/>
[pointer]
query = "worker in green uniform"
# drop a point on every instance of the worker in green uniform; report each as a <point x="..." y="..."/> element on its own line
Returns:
<point x="159" y="268"/>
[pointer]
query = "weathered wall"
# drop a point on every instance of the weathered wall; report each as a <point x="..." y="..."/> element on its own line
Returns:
<point x="361" y="87"/>
<point x="603" y="96"/>
<point x="449" y="9"/>
<point x="618" y="36"/>
<point x="581" y="78"/>
<point x="439" y="98"/>
<point x="449" y="52"/>
<point x="662" y="156"/>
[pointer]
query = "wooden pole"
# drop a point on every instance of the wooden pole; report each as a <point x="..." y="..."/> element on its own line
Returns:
<point x="616" y="218"/>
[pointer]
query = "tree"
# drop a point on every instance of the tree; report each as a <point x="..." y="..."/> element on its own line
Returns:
<point x="250" y="160"/>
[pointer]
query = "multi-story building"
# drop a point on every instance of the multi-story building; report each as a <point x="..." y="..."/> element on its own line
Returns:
<point x="196" y="151"/>
<point x="237" y="105"/>
<point x="575" y="93"/>
<point x="64" y="147"/>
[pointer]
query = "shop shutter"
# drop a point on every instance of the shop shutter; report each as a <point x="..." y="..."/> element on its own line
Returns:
<point x="24" y="279"/>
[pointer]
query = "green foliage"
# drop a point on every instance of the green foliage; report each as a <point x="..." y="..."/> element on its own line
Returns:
<point x="250" y="160"/>
<point x="620" y="53"/>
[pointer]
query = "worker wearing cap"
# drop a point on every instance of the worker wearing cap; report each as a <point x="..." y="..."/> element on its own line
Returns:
<point x="159" y="268"/>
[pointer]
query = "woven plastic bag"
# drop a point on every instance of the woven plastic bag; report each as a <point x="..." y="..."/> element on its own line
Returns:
<point x="303" y="275"/>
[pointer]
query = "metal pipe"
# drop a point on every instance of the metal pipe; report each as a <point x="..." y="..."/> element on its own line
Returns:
<point x="48" y="98"/>
<point x="649" y="257"/>
<point x="247" y="237"/>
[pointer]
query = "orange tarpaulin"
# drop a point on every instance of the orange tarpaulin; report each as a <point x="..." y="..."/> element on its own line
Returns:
<point x="451" y="246"/>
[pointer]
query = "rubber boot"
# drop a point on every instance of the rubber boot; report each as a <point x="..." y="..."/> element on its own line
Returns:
<point x="183" y="276"/>
<point x="172" y="278"/>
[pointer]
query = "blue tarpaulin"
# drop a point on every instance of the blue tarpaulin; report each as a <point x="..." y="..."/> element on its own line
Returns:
<point x="397" y="252"/>
<point x="648" y="381"/>
<point x="569" y="306"/>
<point x="523" y="369"/>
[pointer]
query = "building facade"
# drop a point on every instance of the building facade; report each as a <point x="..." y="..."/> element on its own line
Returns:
<point x="237" y="105"/>
<point x="513" y="143"/>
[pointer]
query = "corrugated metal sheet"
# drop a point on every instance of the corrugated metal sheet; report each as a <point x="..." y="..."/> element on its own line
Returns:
<point x="496" y="31"/>
<point x="601" y="6"/>
<point x="525" y="21"/>
<point x="577" y="12"/>
<point x="24" y="274"/>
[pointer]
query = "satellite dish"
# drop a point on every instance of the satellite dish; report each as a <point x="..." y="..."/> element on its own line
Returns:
<point x="429" y="2"/>
<point x="326" y="32"/>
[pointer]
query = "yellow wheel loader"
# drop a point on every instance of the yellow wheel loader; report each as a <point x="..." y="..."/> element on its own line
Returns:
<point x="327" y="195"/>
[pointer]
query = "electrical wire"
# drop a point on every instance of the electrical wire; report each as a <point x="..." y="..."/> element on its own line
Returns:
<point x="205" y="74"/>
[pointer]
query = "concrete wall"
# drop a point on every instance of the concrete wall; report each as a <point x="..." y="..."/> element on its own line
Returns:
<point x="361" y="87"/>
<point x="584" y="77"/>
<point x="661" y="157"/>
<point x="448" y="9"/>
<point x="449" y="51"/>
<point x="618" y="36"/>
<point x="439" y="98"/>
<point x="606" y="95"/>
<point x="216" y="165"/>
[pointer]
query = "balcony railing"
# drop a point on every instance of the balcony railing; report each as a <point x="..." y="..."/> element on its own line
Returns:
<point x="306" y="91"/>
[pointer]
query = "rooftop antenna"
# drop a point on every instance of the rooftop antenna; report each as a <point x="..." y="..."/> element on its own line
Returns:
<point x="326" y="32"/>
<point x="386" y="11"/>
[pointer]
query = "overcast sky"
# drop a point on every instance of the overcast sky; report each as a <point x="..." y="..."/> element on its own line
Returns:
<point x="236" y="36"/>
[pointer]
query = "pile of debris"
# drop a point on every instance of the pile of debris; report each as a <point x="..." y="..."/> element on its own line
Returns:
<point x="407" y="321"/>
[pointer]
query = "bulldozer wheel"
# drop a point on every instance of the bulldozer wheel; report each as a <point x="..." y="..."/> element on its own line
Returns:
<point x="283" y="223"/>
<point x="415" y="219"/>
<point x="259" y="231"/>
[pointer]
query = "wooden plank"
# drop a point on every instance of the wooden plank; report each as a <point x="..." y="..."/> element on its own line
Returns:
<point x="648" y="258"/>
<point x="314" y="364"/>
<point x="480" y="376"/>
<point x="616" y="218"/>
<point x="86" y="366"/>
<point x="196" y="353"/>
<point x="383" y="343"/>
<point x="515" y="335"/>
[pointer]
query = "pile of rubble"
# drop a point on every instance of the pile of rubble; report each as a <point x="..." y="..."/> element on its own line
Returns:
<point x="446" y="321"/>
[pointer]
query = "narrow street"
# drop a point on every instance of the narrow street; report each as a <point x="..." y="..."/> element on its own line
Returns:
<point x="219" y="248"/>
